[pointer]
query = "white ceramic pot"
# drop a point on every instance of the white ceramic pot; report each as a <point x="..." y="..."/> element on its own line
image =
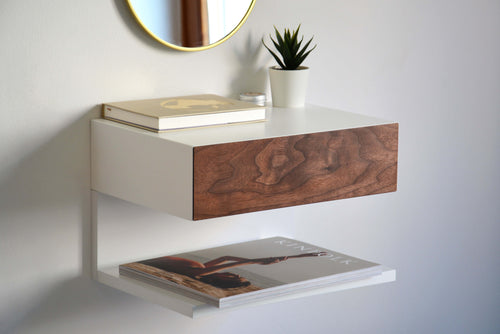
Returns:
<point x="288" y="87"/>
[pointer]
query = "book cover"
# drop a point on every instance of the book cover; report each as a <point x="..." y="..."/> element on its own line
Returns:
<point x="238" y="273"/>
<point x="170" y="113"/>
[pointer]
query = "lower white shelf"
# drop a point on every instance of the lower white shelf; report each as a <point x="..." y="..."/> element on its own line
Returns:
<point x="194" y="309"/>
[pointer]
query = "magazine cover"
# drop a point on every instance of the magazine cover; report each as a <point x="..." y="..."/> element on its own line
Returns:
<point x="234" y="274"/>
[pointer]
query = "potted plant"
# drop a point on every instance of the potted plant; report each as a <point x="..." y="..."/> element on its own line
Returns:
<point x="289" y="79"/>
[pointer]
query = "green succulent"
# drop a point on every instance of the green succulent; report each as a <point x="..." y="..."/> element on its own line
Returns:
<point x="289" y="47"/>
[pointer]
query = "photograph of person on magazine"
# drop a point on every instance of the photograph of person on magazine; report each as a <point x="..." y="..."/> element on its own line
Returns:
<point x="209" y="272"/>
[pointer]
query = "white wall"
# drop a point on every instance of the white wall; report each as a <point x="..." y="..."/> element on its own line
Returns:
<point x="431" y="65"/>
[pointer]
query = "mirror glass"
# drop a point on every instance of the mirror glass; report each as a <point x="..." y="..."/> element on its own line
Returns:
<point x="191" y="25"/>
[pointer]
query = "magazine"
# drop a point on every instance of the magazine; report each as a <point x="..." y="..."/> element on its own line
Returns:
<point x="239" y="273"/>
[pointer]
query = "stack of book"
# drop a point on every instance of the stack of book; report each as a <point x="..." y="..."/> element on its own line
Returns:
<point x="246" y="272"/>
<point x="165" y="114"/>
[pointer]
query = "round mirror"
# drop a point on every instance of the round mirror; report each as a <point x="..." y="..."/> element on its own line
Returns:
<point x="191" y="25"/>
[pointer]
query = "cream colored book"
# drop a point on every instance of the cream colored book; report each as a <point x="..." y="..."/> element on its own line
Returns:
<point x="170" y="113"/>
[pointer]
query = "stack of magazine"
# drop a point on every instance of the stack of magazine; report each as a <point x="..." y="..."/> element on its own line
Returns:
<point x="250" y="271"/>
<point x="179" y="112"/>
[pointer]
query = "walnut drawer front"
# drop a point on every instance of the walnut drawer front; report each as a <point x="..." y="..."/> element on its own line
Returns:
<point x="254" y="175"/>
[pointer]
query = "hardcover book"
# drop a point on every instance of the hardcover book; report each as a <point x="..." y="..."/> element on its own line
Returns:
<point x="165" y="114"/>
<point x="235" y="274"/>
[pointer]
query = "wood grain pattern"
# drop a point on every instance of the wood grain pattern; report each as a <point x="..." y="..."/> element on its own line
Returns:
<point x="272" y="173"/>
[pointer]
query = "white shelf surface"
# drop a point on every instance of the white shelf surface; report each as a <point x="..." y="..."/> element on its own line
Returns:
<point x="280" y="122"/>
<point x="195" y="309"/>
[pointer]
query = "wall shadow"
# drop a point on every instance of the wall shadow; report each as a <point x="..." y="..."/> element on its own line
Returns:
<point x="73" y="303"/>
<point x="45" y="198"/>
<point x="251" y="75"/>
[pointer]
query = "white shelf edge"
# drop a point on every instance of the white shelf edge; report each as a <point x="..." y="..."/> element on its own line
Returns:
<point x="194" y="309"/>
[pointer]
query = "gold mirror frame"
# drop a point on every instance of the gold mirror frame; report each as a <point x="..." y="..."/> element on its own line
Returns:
<point x="196" y="48"/>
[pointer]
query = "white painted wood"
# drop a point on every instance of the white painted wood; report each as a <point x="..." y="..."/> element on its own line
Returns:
<point x="94" y="232"/>
<point x="193" y="308"/>
<point x="142" y="169"/>
<point x="280" y="122"/>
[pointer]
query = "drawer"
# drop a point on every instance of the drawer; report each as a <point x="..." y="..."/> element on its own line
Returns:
<point x="273" y="173"/>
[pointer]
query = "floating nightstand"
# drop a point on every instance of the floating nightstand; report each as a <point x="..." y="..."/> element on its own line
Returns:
<point x="298" y="156"/>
